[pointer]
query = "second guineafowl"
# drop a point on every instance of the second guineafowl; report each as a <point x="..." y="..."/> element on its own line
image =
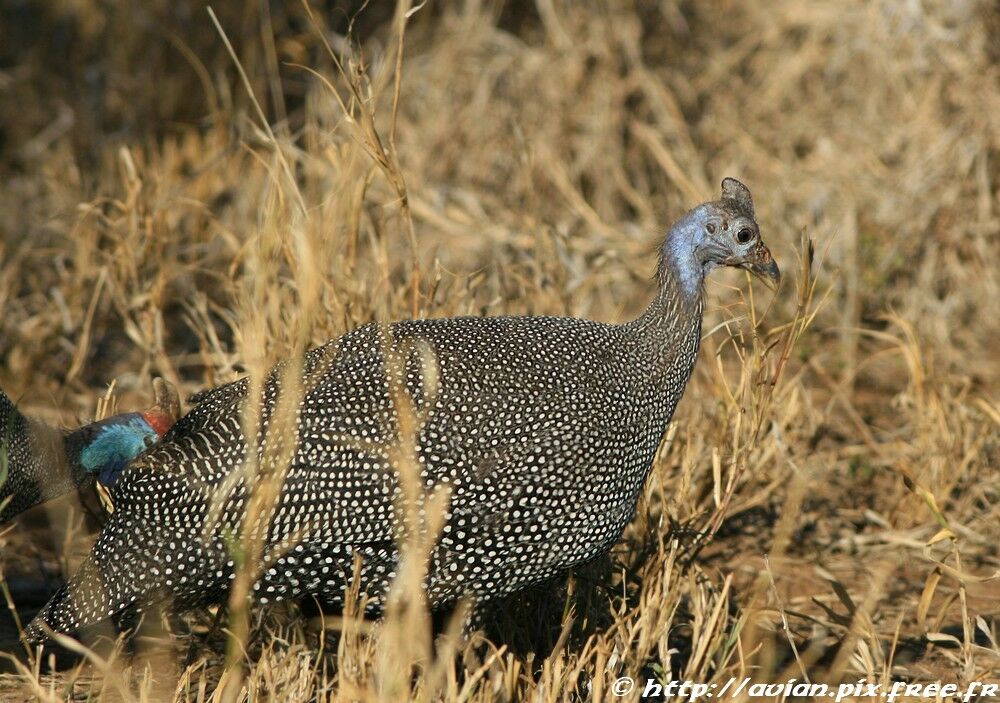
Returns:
<point x="39" y="462"/>
<point x="543" y="430"/>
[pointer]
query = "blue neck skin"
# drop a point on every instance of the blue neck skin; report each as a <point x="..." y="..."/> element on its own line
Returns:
<point x="682" y="264"/>
<point x="114" y="443"/>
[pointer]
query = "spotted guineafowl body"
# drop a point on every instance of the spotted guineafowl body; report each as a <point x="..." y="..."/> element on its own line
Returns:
<point x="542" y="429"/>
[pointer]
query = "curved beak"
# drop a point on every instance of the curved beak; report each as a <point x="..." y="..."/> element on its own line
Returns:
<point x="762" y="265"/>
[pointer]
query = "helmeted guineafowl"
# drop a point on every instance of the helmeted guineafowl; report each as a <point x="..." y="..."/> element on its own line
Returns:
<point x="543" y="429"/>
<point x="39" y="462"/>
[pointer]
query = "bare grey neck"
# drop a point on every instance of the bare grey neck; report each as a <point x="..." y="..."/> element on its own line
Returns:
<point x="670" y="328"/>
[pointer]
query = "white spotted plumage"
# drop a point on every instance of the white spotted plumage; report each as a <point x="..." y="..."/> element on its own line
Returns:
<point x="543" y="428"/>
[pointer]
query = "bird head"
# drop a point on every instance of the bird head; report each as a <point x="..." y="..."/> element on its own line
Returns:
<point x="723" y="232"/>
<point x="39" y="462"/>
<point x="107" y="446"/>
<point x="110" y="444"/>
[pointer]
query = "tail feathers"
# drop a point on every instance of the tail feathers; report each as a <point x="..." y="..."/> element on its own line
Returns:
<point x="82" y="602"/>
<point x="115" y="577"/>
<point x="133" y="565"/>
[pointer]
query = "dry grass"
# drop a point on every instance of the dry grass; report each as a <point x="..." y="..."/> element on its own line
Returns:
<point x="827" y="506"/>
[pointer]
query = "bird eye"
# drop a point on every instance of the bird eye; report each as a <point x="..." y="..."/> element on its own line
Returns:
<point x="744" y="235"/>
<point x="710" y="228"/>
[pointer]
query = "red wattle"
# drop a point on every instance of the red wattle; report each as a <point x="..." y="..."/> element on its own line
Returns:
<point x="160" y="422"/>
